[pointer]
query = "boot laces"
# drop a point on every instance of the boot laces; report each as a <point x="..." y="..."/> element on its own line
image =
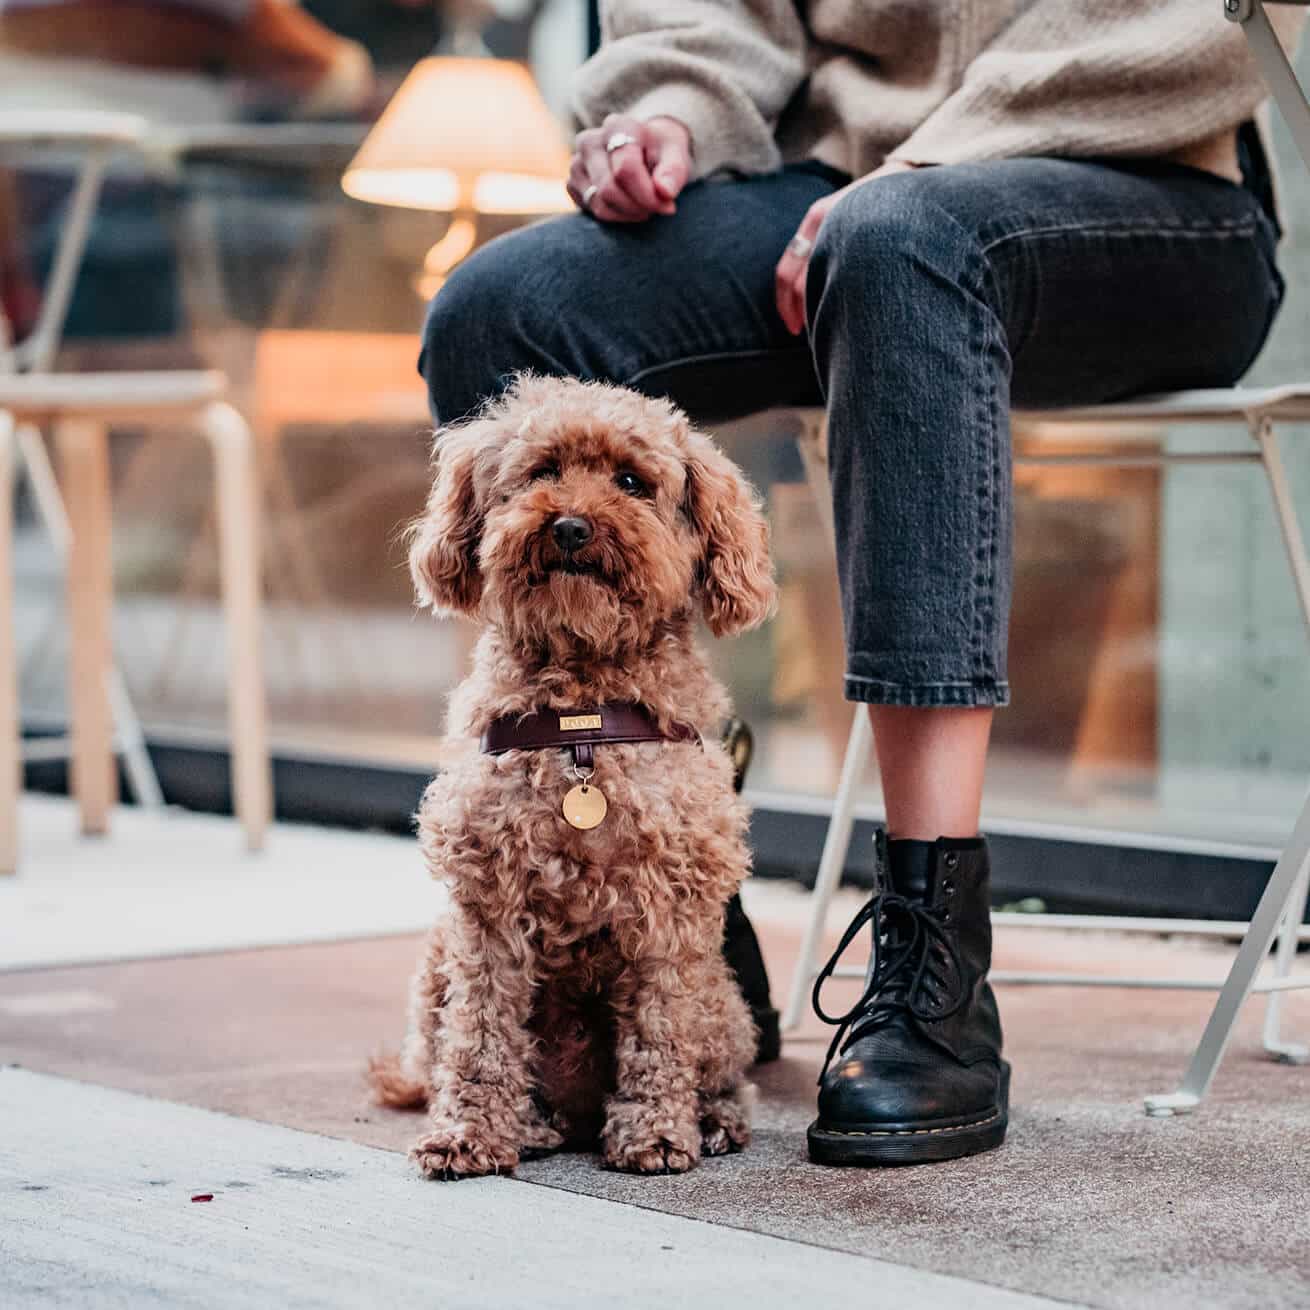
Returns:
<point x="915" y="968"/>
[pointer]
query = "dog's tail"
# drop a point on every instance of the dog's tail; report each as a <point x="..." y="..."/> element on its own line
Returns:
<point x="392" y="1085"/>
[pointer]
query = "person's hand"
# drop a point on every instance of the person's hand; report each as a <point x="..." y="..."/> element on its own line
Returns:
<point x="624" y="171"/>
<point x="789" y="277"/>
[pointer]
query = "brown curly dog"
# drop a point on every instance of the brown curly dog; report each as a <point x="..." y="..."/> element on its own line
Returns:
<point x="576" y="988"/>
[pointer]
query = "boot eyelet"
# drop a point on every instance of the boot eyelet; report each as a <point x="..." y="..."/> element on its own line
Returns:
<point x="948" y="888"/>
<point x="946" y="916"/>
<point x="952" y="859"/>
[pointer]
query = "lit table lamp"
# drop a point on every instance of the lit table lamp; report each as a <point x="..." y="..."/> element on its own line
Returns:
<point x="464" y="135"/>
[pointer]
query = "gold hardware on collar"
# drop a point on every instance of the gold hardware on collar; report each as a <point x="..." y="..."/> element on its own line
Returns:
<point x="579" y="722"/>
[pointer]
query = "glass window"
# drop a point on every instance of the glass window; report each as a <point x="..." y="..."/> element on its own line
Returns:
<point x="1159" y="659"/>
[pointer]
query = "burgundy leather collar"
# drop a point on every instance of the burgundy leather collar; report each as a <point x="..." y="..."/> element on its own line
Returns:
<point x="579" y="730"/>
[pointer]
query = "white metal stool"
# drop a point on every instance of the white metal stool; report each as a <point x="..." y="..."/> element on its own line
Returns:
<point x="79" y="408"/>
<point x="1285" y="896"/>
<point x="1284" y="899"/>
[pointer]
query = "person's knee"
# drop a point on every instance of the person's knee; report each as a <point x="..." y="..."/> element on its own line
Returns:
<point x="883" y="240"/>
<point x="499" y="313"/>
<point x="459" y="350"/>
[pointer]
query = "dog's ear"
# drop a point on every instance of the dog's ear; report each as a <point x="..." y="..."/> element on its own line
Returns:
<point x="736" y="576"/>
<point x="444" y="541"/>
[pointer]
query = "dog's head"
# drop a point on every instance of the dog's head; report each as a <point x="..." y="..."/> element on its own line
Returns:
<point x="588" y="511"/>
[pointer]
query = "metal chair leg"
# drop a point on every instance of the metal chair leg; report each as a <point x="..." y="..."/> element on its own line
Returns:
<point x="836" y="844"/>
<point x="1283" y="901"/>
<point x="130" y="742"/>
<point x="1284" y="1051"/>
<point x="238" y="529"/>
<point x="1264" y="433"/>
<point x="1279" y="75"/>
<point x="812" y="441"/>
<point x="1274" y="904"/>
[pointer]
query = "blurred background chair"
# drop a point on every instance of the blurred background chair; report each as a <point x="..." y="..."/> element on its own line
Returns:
<point x="78" y="408"/>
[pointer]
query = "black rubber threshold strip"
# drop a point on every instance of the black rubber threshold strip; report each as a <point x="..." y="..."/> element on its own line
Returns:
<point x="1124" y="876"/>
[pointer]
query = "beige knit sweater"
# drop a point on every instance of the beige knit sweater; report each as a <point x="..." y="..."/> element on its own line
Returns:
<point x="856" y="82"/>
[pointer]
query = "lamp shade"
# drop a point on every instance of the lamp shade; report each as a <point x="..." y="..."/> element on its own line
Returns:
<point x="464" y="133"/>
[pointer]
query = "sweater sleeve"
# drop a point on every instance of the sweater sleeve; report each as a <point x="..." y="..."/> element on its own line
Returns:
<point x="1097" y="77"/>
<point x="724" y="68"/>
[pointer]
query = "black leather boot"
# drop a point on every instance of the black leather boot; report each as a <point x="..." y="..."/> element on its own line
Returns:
<point x="741" y="948"/>
<point x="914" y="1072"/>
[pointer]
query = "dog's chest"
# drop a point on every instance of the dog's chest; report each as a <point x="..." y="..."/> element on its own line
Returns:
<point x="649" y="789"/>
<point x="672" y="829"/>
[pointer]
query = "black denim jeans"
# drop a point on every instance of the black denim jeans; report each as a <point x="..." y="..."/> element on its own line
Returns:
<point x="937" y="299"/>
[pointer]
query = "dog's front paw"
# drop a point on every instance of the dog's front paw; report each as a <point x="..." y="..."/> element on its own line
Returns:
<point x="644" y="1138"/>
<point x="640" y="1142"/>
<point x="658" y="1157"/>
<point x="724" y="1126"/>
<point x="449" y="1156"/>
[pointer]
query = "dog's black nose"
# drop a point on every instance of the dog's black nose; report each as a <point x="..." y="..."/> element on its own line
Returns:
<point x="571" y="533"/>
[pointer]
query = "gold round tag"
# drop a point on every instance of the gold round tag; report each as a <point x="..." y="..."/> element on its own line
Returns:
<point x="584" y="806"/>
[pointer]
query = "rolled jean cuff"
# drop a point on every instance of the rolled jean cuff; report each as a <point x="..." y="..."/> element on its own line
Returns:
<point x="981" y="693"/>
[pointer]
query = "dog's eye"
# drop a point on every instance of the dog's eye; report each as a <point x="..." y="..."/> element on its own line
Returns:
<point x="630" y="484"/>
<point x="545" y="472"/>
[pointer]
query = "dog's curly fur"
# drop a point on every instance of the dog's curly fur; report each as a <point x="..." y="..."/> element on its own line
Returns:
<point x="576" y="988"/>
